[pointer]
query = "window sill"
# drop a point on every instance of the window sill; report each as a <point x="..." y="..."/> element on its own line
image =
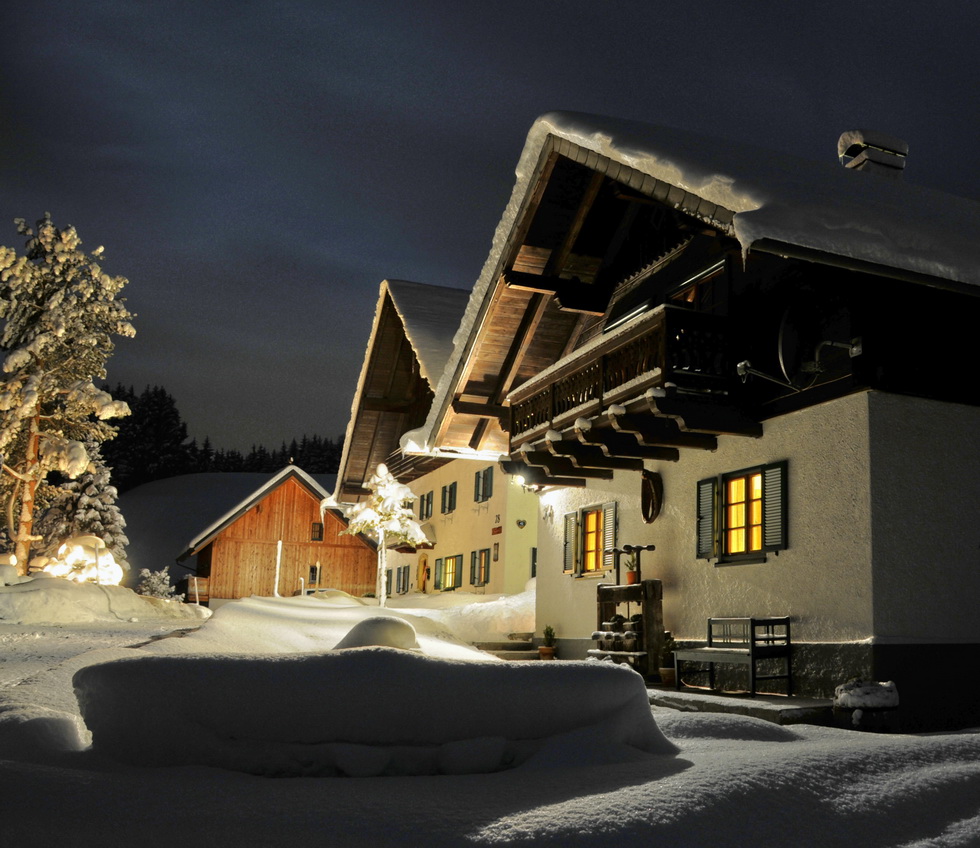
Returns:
<point x="587" y="575"/>
<point x="749" y="560"/>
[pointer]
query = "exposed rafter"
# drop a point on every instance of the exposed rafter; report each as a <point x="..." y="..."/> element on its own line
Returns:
<point x="588" y="456"/>
<point x="662" y="432"/>
<point x="702" y="416"/>
<point x="562" y="466"/>
<point x="538" y="476"/>
<point x="613" y="443"/>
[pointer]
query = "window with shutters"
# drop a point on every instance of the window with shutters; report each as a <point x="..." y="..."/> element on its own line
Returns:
<point x="449" y="573"/>
<point x="402" y="579"/>
<point x="448" y="503"/>
<point x="483" y="485"/>
<point x="589" y="533"/>
<point x="425" y="506"/>
<point x="480" y="567"/>
<point x="742" y="514"/>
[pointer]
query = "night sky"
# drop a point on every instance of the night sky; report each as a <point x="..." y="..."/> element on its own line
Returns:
<point x="257" y="168"/>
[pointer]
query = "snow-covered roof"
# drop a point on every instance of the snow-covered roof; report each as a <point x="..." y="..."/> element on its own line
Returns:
<point x="240" y="508"/>
<point x="431" y="316"/>
<point x="867" y="220"/>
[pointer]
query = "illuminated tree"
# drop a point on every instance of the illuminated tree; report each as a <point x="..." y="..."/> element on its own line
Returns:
<point x="60" y="312"/>
<point x="385" y="516"/>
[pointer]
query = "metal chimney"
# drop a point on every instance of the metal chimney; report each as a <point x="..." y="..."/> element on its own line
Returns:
<point x="868" y="150"/>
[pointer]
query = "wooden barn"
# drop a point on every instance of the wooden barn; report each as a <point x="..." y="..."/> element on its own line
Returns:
<point x="280" y="522"/>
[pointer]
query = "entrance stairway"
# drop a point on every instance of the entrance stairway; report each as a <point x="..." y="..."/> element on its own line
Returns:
<point x="517" y="647"/>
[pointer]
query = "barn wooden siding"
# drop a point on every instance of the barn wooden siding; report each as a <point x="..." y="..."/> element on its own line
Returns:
<point x="243" y="555"/>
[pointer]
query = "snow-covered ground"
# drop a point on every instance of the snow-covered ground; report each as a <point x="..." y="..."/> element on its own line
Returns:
<point x="718" y="780"/>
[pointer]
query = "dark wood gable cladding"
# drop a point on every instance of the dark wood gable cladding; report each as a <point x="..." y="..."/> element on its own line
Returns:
<point x="395" y="398"/>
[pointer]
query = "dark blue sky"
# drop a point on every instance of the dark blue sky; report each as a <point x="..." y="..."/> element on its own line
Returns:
<point x="257" y="168"/>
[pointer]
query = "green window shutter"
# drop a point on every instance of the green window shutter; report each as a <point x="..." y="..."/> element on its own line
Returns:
<point x="459" y="571"/>
<point x="473" y="567"/>
<point x="774" y="515"/>
<point x="571" y="541"/>
<point x="707" y="544"/>
<point x="438" y="581"/>
<point x="488" y="483"/>
<point x="443" y="508"/>
<point x="608" y="532"/>
<point x="388" y="581"/>
<point x="478" y="486"/>
<point x="486" y="566"/>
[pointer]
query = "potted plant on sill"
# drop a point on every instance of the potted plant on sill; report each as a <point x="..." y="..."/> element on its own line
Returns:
<point x="546" y="650"/>
<point x="667" y="677"/>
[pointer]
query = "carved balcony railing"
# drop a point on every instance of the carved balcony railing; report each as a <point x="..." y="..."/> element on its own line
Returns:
<point x="668" y="345"/>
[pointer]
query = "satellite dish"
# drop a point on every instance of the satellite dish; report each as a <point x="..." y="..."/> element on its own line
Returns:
<point x="814" y="340"/>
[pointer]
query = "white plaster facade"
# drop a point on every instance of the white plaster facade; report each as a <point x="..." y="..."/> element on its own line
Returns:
<point x="471" y="527"/>
<point x="882" y="537"/>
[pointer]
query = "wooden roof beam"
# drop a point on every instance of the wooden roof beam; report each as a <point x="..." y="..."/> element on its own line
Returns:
<point x="562" y="466"/>
<point x="538" y="476"/>
<point x="480" y="410"/>
<point x="660" y="432"/>
<point x="703" y="416"/>
<point x="612" y="443"/>
<point x="590" y="456"/>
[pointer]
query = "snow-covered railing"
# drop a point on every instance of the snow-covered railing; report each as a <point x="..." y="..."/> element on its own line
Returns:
<point x="668" y="344"/>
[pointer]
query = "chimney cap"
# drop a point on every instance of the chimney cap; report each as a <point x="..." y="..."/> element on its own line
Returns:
<point x="852" y="142"/>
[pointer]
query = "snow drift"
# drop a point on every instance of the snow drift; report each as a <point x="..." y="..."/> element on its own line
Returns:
<point x="43" y="599"/>
<point x="363" y="712"/>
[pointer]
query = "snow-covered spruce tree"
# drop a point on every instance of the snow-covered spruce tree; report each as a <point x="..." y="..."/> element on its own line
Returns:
<point x="60" y="312"/>
<point x="85" y="505"/>
<point x="385" y="516"/>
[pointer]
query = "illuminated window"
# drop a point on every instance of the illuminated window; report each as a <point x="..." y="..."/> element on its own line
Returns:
<point x="449" y="572"/>
<point x="589" y="533"/>
<point x="480" y="567"/>
<point x="742" y="515"/>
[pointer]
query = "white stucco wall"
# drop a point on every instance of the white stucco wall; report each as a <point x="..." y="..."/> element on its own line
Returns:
<point x="925" y="502"/>
<point x="470" y="527"/>
<point x="823" y="579"/>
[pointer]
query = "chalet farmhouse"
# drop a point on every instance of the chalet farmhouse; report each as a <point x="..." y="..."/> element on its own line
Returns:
<point x="482" y="529"/>
<point x="760" y="365"/>
<point x="236" y="555"/>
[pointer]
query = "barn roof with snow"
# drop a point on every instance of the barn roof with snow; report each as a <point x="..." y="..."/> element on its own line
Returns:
<point x="241" y="507"/>
<point x="411" y="340"/>
<point x="769" y="202"/>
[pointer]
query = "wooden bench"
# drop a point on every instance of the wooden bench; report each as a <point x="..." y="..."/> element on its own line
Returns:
<point x="744" y="641"/>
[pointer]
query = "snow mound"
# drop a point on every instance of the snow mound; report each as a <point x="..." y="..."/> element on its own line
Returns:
<point x="724" y="726"/>
<point x="381" y="630"/>
<point x="474" y="618"/>
<point x="53" y="600"/>
<point x="261" y="625"/>
<point x="362" y="712"/>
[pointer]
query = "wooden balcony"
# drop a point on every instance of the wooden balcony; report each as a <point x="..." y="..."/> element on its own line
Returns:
<point x="668" y="345"/>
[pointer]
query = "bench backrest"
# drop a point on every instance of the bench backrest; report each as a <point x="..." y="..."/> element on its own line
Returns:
<point x="744" y="632"/>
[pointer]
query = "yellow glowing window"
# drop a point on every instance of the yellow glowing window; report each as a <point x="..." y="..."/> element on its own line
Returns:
<point x="592" y="540"/>
<point x="743" y="514"/>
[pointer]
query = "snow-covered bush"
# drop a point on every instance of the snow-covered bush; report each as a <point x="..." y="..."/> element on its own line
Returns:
<point x="156" y="584"/>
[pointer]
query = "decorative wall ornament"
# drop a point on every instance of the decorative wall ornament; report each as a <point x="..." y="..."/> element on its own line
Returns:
<point x="651" y="495"/>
